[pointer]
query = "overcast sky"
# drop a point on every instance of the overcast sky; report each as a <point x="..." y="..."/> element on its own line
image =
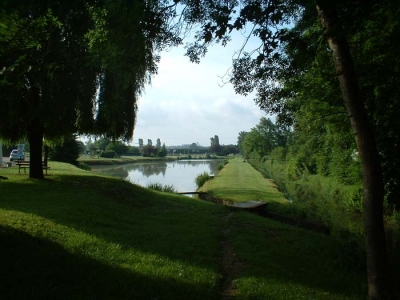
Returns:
<point x="186" y="104"/>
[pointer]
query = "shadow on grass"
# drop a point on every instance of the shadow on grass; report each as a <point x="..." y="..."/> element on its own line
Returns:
<point x="174" y="227"/>
<point x="183" y="230"/>
<point x="285" y="262"/>
<point x="34" y="268"/>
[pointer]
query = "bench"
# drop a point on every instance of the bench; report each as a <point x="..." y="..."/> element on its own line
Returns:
<point x="26" y="164"/>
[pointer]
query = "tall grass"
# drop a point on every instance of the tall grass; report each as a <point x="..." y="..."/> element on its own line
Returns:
<point x="168" y="188"/>
<point x="222" y="165"/>
<point x="335" y="204"/>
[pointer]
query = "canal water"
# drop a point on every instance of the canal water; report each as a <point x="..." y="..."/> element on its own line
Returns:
<point x="181" y="174"/>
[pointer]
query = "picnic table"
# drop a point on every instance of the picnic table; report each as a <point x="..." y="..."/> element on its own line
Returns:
<point x="26" y="164"/>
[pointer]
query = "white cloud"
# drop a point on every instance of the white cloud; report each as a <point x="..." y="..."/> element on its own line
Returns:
<point x="186" y="104"/>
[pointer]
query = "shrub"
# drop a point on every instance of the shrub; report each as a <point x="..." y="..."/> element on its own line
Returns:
<point x="202" y="178"/>
<point x="108" y="154"/>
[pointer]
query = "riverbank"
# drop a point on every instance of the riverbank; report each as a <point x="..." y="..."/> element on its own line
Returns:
<point x="100" y="161"/>
<point x="77" y="235"/>
<point x="238" y="181"/>
<point x="96" y="161"/>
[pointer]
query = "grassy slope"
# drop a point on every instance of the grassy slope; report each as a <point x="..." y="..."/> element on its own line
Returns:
<point x="80" y="236"/>
<point x="282" y="262"/>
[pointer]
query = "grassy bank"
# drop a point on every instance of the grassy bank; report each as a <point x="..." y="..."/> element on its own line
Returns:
<point x="238" y="181"/>
<point x="80" y="236"/>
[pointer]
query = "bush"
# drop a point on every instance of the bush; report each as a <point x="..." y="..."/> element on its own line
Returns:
<point x="67" y="151"/>
<point x="108" y="154"/>
<point x="202" y="178"/>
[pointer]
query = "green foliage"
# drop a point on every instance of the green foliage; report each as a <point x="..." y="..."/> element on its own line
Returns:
<point x="132" y="150"/>
<point x="108" y="154"/>
<point x="215" y="146"/>
<point x="168" y="188"/>
<point x="316" y="197"/>
<point x="228" y="150"/>
<point x="163" y="151"/>
<point x="262" y="139"/>
<point x="56" y="57"/>
<point x="68" y="151"/>
<point x="118" y="147"/>
<point x="202" y="178"/>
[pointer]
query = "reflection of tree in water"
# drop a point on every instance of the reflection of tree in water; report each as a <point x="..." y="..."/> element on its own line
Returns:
<point x="149" y="169"/>
<point x="212" y="164"/>
<point x="116" y="172"/>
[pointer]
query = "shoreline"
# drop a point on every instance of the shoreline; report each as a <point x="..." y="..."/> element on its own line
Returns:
<point x="136" y="159"/>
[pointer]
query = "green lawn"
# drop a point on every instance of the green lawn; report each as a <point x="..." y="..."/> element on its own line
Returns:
<point x="77" y="235"/>
<point x="238" y="181"/>
<point x="80" y="236"/>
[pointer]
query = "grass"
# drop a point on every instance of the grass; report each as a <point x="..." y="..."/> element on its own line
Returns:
<point x="77" y="235"/>
<point x="81" y="236"/>
<point x="238" y="181"/>
<point x="284" y="262"/>
<point x="161" y="188"/>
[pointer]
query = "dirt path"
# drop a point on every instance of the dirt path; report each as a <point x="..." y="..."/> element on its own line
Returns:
<point x="231" y="266"/>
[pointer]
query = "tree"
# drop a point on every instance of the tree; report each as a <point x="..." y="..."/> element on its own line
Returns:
<point x="101" y="144"/>
<point x="267" y="69"/>
<point x="377" y="262"/>
<point x="262" y="139"/>
<point x="158" y="144"/>
<point x="57" y="54"/>
<point x="241" y="137"/>
<point x="162" y="151"/>
<point x="215" y="146"/>
<point x="119" y="147"/>
<point x="133" y="150"/>
<point x="149" y="150"/>
<point x="67" y="151"/>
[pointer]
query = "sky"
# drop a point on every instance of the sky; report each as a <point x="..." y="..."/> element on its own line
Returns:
<point x="186" y="103"/>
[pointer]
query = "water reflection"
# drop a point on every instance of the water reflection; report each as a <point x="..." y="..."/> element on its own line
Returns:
<point x="148" y="169"/>
<point x="181" y="173"/>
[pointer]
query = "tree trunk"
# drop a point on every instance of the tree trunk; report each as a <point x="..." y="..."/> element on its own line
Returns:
<point x="379" y="276"/>
<point x="35" y="138"/>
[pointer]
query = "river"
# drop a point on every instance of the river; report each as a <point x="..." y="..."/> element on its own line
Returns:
<point x="181" y="174"/>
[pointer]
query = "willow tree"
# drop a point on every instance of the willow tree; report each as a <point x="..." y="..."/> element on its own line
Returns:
<point x="267" y="69"/>
<point x="74" y="67"/>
